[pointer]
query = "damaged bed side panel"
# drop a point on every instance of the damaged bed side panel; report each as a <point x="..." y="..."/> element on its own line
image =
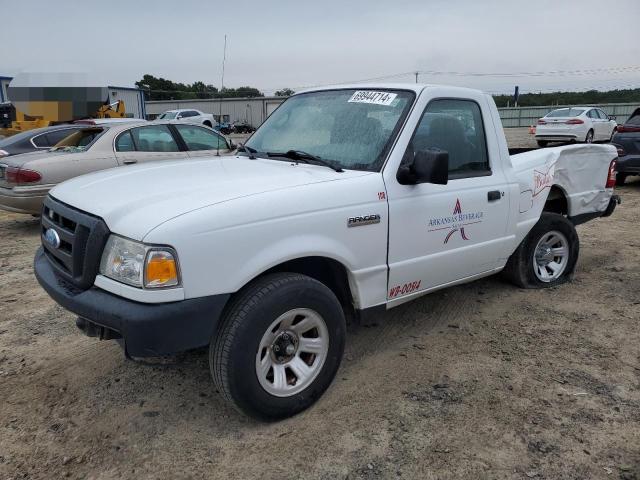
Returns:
<point x="579" y="171"/>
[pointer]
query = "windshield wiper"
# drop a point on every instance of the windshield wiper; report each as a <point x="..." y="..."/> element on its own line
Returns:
<point x="299" y="155"/>
<point x="249" y="150"/>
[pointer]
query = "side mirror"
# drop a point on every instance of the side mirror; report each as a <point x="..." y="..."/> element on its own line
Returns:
<point x="428" y="166"/>
<point x="178" y="117"/>
<point x="612" y="117"/>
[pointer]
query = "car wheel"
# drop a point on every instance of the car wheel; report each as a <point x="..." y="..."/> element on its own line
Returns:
<point x="542" y="143"/>
<point x="279" y="346"/>
<point x="620" y="179"/>
<point x="613" y="132"/>
<point x="589" y="138"/>
<point x="207" y="123"/>
<point x="547" y="256"/>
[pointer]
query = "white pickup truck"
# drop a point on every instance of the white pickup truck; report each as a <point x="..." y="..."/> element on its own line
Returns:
<point x="345" y="201"/>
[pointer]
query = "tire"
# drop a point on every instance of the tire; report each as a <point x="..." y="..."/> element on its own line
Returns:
<point x="207" y="123"/>
<point x="542" y="143"/>
<point x="520" y="266"/>
<point x="589" y="137"/>
<point x="620" y="179"/>
<point x="237" y="353"/>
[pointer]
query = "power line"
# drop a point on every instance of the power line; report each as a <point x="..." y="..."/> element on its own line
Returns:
<point x="549" y="73"/>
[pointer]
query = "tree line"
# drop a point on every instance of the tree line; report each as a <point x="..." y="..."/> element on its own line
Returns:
<point x="590" y="97"/>
<point x="163" y="89"/>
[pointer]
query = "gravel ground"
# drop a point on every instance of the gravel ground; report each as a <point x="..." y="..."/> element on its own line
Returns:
<point x="481" y="381"/>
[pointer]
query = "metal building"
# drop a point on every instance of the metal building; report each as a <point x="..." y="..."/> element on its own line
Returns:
<point x="4" y="83"/>
<point x="252" y="110"/>
<point x="133" y="97"/>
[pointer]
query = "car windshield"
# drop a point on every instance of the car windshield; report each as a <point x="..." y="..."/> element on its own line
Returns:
<point x="566" y="112"/>
<point x="168" y="115"/>
<point x="351" y="129"/>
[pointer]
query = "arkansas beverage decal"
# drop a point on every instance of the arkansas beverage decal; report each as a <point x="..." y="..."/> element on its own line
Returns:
<point x="455" y="222"/>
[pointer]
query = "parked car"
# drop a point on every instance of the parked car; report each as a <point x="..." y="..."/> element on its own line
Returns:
<point x="627" y="140"/>
<point x="34" y="140"/>
<point x="243" y="127"/>
<point x="575" y="124"/>
<point x="346" y="201"/>
<point x="189" y="116"/>
<point x="25" y="179"/>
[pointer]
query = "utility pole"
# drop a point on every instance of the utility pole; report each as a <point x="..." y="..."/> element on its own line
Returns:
<point x="224" y="58"/>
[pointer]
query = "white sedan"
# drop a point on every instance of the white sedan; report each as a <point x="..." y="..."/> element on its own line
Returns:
<point x="189" y="116"/>
<point x="575" y="124"/>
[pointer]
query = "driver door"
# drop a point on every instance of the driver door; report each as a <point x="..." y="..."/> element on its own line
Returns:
<point x="439" y="234"/>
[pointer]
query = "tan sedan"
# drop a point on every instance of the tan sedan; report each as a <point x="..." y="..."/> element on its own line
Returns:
<point x="25" y="179"/>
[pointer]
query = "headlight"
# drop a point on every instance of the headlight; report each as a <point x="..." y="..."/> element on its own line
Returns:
<point x="139" y="265"/>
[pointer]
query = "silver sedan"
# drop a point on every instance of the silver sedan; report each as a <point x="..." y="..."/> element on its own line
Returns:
<point x="25" y="179"/>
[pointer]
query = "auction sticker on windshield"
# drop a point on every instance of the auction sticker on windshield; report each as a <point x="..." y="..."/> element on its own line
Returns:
<point x="369" y="96"/>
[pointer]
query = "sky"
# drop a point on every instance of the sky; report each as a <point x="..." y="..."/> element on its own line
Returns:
<point x="271" y="45"/>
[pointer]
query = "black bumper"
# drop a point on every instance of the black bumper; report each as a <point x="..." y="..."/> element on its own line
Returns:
<point x="147" y="329"/>
<point x="628" y="164"/>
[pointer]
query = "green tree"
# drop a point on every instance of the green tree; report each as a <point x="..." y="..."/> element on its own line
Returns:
<point x="285" y="92"/>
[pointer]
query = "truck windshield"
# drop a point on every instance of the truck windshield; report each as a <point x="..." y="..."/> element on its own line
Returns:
<point x="351" y="129"/>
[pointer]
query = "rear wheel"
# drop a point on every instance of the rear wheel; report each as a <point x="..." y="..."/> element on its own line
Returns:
<point x="620" y="179"/>
<point x="542" y="143"/>
<point x="589" y="138"/>
<point x="548" y="254"/>
<point x="279" y="346"/>
<point x="207" y="123"/>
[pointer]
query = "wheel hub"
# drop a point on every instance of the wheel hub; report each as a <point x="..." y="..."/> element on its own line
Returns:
<point x="544" y="255"/>
<point x="284" y="347"/>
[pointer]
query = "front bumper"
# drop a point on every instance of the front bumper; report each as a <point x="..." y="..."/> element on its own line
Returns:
<point x="145" y="329"/>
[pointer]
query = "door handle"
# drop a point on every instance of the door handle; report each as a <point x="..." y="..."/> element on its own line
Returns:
<point x="129" y="162"/>
<point x="494" y="195"/>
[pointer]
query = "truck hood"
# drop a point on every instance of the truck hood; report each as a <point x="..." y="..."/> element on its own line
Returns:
<point x="135" y="199"/>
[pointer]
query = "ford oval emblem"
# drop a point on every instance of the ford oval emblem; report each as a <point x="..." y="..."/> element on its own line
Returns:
<point x="52" y="237"/>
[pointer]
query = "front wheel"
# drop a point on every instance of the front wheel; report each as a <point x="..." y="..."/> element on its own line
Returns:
<point x="542" y="143"/>
<point x="279" y="346"/>
<point x="548" y="254"/>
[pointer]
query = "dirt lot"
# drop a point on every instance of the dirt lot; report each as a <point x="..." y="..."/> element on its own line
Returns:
<point x="479" y="381"/>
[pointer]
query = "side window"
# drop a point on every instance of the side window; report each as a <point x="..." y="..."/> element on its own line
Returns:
<point x="41" y="141"/>
<point x="124" y="142"/>
<point x="55" y="137"/>
<point x="198" y="138"/>
<point x="156" y="138"/>
<point x="592" y="114"/>
<point x="454" y="126"/>
<point x="603" y="115"/>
